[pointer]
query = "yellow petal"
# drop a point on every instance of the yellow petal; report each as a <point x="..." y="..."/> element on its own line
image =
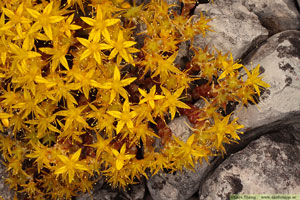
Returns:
<point x="115" y="114"/>
<point x="117" y="75"/>
<point x="97" y="57"/>
<point x="119" y="164"/>
<point x="103" y="46"/>
<point x="110" y="22"/>
<point x="55" y="19"/>
<point x="63" y="158"/>
<point x="115" y="152"/>
<point x="8" y="12"/>
<point x="127" y="81"/>
<point x="85" y="54"/>
<point x="143" y="92"/>
<point x="48" y="8"/>
<point x="112" y="54"/>
<point x="84" y="41"/>
<point x="120" y="126"/>
<point x="88" y="20"/>
<point x="128" y="44"/>
<point x="76" y="155"/>
<point x="64" y="62"/>
<point x="61" y="170"/>
<point x="48" y="31"/>
<point x="35" y="14"/>
<point x="81" y="167"/>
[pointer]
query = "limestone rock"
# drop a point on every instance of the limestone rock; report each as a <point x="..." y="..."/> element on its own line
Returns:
<point x="269" y="165"/>
<point x="279" y="58"/>
<point x="180" y="127"/>
<point x="181" y="185"/>
<point x="5" y="192"/>
<point x="236" y="28"/>
<point x="133" y="192"/>
<point x="276" y="16"/>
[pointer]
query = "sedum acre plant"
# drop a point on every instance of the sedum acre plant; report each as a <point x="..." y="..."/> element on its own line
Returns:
<point x="80" y="98"/>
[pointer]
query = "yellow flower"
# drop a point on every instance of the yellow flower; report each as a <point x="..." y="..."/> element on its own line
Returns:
<point x="58" y="55"/>
<point x="254" y="80"/>
<point x="15" y="19"/>
<point x="99" y="24"/>
<point x="21" y="56"/>
<point x="116" y="85"/>
<point x="4" y="119"/>
<point x="79" y="2"/>
<point x="121" y="157"/>
<point x="121" y="47"/>
<point x="124" y="117"/>
<point x="31" y="104"/>
<point x="73" y="114"/>
<point x="171" y="101"/>
<point x="150" y="97"/>
<point x="44" y="20"/>
<point x="67" y="26"/>
<point x="93" y="48"/>
<point x="221" y="128"/>
<point x="71" y="165"/>
<point x="102" y="145"/>
<point x="165" y="66"/>
<point x="229" y="67"/>
<point x="189" y="149"/>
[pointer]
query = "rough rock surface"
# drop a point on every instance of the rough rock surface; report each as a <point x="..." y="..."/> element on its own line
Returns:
<point x="5" y="192"/>
<point x="236" y="28"/>
<point x="279" y="58"/>
<point x="181" y="185"/>
<point x="269" y="165"/>
<point x="102" y="191"/>
<point x="276" y="16"/>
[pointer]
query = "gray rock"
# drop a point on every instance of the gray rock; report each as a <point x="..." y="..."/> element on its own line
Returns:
<point x="276" y="16"/>
<point x="269" y="165"/>
<point x="103" y="191"/>
<point x="236" y="28"/>
<point x="93" y="194"/>
<point x="181" y="185"/>
<point x="279" y="58"/>
<point x="176" y="7"/>
<point x="180" y="127"/>
<point x="137" y="192"/>
<point x="5" y="192"/>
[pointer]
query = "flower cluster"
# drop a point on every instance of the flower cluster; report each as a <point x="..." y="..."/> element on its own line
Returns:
<point x="81" y="98"/>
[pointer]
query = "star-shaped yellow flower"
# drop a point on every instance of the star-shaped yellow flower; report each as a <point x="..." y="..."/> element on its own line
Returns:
<point x="67" y="26"/>
<point x="15" y="18"/>
<point x="254" y="80"/>
<point x="121" y="47"/>
<point x="229" y="67"/>
<point x="93" y="48"/>
<point x="44" y="20"/>
<point x="71" y="165"/>
<point x="221" y="127"/>
<point x="116" y="85"/>
<point x="124" y="117"/>
<point x="99" y="24"/>
<point x="171" y="101"/>
<point x="121" y="157"/>
<point x="150" y="97"/>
